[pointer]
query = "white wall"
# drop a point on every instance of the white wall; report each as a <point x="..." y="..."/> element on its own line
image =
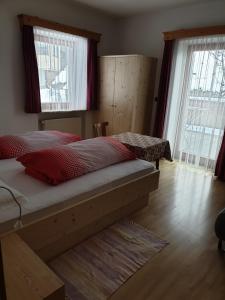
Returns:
<point x="142" y="34"/>
<point x="12" y="117"/>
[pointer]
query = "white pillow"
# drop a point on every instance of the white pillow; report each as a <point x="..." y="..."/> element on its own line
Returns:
<point x="6" y="199"/>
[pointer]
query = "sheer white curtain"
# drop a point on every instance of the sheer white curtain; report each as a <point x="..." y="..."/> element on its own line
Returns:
<point x="196" y="114"/>
<point x="62" y="66"/>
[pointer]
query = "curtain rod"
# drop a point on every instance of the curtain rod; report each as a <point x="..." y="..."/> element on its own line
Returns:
<point x="193" y="32"/>
<point x="36" y="21"/>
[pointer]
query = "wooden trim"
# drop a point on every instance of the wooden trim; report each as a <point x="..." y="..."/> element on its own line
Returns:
<point x="186" y="33"/>
<point x="36" y="21"/>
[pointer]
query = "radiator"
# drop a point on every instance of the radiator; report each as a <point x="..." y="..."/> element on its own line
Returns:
<point x="71" y="125"/>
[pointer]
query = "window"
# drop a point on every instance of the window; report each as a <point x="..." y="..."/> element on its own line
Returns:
<point x="196" y="117"/>
<point x="62" y="68"/>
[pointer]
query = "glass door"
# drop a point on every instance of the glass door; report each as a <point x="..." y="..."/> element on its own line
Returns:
<point x="200" y="109"/>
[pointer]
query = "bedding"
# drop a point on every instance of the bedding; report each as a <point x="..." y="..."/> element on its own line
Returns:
<point x="42" y="199"/>
<point x="62" y="163"/>
<point x="6" y="200"/>
<point x="12" y="146"/>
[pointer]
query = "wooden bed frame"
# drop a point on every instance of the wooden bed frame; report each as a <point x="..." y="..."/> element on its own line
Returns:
<point x="49" y="236"/>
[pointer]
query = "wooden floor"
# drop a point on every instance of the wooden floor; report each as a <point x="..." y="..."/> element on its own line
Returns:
<point x="183" y="212"/>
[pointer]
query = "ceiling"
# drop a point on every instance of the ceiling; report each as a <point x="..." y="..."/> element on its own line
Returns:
<point x="131" y="7"/>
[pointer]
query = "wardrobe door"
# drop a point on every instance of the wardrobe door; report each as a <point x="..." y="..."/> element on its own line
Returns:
<point x="143" y="105"/>
<point x="126" y="83"/>
<point x="106" y="91"/>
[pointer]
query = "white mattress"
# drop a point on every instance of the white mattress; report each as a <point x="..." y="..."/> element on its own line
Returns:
<point x="41" y="195"/>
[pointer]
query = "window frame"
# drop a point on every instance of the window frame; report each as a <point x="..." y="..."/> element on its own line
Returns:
<point x="58" y="41"/>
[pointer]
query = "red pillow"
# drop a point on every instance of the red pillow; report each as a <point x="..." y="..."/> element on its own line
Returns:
<point x="16" y="145"/>
<point x="63" y="163"/>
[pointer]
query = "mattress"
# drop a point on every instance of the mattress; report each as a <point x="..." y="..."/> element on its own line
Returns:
<point x="41" y="196"/>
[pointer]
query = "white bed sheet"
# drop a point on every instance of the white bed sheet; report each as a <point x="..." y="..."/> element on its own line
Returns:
<point x="41" y="195"/>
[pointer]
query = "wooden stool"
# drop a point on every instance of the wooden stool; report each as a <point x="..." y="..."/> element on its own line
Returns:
<point x="100" y="129"/>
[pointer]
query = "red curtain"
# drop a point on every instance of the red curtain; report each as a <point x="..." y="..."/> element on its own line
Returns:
<point x="92" y="103"/>
<point x="33" y="98"/>
<point x="220" y="164"/>
<point x="2" y="280"/>
<point x="163" y="88"/>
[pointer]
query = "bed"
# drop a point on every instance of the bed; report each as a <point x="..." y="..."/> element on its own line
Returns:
<point x="83" y="205"/>
<point x="56" y="218"/>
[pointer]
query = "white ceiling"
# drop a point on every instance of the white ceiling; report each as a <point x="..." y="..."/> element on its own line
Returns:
<point x="131" y="7"/>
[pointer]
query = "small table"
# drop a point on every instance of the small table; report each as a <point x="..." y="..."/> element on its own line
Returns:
<point x="146" y="147"/>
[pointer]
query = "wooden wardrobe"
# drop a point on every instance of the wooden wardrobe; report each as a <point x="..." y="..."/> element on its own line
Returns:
<point x="126" y="91"/>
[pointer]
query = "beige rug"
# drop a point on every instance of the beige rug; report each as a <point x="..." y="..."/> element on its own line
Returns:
<point x="96" y="268"/>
